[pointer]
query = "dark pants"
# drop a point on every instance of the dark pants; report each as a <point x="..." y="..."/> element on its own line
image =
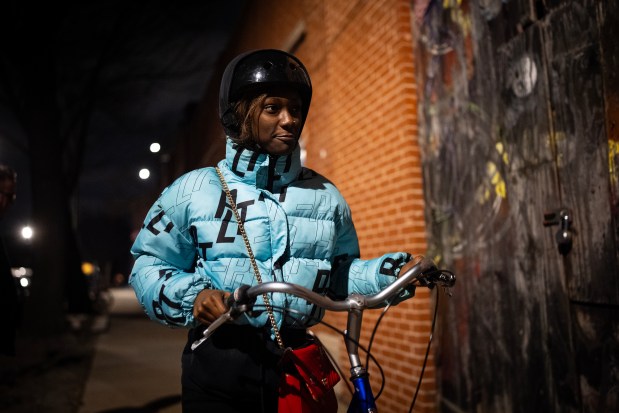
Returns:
<point x="235" y="370"/>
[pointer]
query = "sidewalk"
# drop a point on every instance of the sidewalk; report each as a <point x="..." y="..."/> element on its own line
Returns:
<point x="136" y="367"/>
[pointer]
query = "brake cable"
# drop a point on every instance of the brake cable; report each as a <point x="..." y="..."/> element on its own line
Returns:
<point x="425" y="360"/>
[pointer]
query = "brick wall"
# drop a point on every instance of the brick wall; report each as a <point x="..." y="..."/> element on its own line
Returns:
<point x="361" y="134"/>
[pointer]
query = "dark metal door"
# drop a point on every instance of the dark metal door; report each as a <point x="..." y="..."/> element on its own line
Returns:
<point x="519" y="112"/>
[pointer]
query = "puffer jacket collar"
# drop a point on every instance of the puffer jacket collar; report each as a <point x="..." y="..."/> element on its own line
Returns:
<point x="262" y="170"/>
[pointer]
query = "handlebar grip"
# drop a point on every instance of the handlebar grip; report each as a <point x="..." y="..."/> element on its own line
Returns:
<point x="239" y="296"/>
<point x="426" y="264"/>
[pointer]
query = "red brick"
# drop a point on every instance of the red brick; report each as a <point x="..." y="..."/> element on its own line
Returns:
<point x="364" y="118"/>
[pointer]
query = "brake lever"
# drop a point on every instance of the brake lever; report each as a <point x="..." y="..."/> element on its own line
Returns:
<point x="238" y="303"/>
<point x="224" y="318"/>
<point x="443" y="278"/>
<point x="446" y="279"/>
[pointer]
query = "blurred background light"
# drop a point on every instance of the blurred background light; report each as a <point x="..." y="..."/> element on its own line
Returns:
<point x="27" y="232"/>
<point x="88" y="268"/>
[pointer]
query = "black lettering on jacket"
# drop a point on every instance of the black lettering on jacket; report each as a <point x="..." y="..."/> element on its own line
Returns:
<point x="151" y="225"/>
<point x="321" y="285"/>
<point x="158" y="308"/>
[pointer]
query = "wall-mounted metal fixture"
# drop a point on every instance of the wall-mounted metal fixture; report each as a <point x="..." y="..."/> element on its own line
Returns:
<point x="564" y="236"/>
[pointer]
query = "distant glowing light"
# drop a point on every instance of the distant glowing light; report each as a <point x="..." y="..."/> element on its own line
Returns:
<point x="24" y="282"/>
<point x="88" y="268"/>
<point x="155" y="147"/>
<point x="27" y="232"/>
<point x="144" y="173"/>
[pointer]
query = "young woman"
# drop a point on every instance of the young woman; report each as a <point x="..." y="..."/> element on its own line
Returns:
<point x="190" y="254"/>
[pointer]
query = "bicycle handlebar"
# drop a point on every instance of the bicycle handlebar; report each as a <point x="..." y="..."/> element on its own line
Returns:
<point x="242" y="299"/>
<point x="353" y="301"/>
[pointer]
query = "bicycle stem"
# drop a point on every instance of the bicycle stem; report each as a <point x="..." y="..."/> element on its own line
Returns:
<point x="353" y="330"/>
<point x="363" y="399"/>
<point x="353" y="333"/>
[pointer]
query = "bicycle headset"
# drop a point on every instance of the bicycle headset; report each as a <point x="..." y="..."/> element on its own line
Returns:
<point x="255" y="71"/>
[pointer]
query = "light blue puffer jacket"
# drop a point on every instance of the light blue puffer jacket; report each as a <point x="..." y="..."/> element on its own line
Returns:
<point x="299" y="227"/>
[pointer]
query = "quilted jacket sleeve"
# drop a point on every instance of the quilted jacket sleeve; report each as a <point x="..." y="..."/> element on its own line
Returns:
<point x="162" y="276"/>
<point x="354" y="275"/>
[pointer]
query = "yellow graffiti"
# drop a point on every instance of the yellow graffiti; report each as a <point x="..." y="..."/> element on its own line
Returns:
<point x="500" y="148"/>
<point x="496" y="187"/>
<point x="447" y="4"/>
<point x="457" y="15"/>
<point x="496" y="179"/>
<point x="557" y="140"/>
<point x="613" y="154"/>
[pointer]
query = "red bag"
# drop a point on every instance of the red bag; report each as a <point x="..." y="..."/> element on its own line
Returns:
<point x="307" y="382"/>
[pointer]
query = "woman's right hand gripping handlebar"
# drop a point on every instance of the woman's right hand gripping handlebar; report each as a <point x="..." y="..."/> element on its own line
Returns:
<point x="209" y="305"/>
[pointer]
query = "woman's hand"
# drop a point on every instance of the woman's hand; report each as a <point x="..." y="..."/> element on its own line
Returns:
<point x="209" y="305"/>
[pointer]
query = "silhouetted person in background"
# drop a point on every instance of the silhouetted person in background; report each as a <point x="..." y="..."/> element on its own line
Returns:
<point x="8" y="292"/>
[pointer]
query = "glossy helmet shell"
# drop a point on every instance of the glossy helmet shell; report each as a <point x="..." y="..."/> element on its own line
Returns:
<point x="254" y="72"/>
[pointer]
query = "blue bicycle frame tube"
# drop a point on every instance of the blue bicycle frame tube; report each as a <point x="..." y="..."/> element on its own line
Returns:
<point x="363" y="399"/>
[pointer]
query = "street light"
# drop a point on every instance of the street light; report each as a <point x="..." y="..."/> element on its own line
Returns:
<point x="27" y="232"/>
<point x="144" y="173"/>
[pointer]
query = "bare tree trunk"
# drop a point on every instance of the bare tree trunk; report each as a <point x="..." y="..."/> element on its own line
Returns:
<point x="58" y="284"/>
<point x="45" y="310"/>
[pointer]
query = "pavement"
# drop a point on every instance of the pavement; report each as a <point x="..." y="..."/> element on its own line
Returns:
<point x="136" y="365"/>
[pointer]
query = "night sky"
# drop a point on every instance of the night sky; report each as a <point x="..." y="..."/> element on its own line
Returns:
<point x="141" y="66"/>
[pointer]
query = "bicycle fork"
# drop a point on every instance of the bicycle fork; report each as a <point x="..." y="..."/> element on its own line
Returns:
<point x="363" y="398"/>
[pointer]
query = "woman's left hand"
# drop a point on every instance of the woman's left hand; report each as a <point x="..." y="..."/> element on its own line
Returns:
<point x="414" y="261"/>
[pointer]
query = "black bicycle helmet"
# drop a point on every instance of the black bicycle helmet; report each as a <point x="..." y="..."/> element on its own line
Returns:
<point x="254" y="71"/>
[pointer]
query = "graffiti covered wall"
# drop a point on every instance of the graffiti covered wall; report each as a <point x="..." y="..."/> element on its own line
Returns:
<point x="519" y="152"/>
